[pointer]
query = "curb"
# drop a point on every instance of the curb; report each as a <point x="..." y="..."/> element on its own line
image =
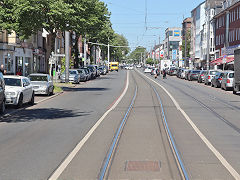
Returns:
<point x="17" y="110"/>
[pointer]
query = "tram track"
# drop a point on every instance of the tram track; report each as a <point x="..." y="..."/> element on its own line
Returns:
<point x="205" y="106"/>
<point x="163" y="130"/>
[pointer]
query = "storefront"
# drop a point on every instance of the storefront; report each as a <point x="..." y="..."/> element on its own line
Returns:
<point x="7" y="57"/>
<point x="23" y="61"/>
<point x="39" y="63"/>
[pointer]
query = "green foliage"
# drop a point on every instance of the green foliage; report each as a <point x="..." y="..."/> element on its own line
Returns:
<point x="119" y="53"/>
<point x="63" y="64"/>
<point x="137" y="54"/>
<point x="26" y="17"/>
<point x="150" y="61"/>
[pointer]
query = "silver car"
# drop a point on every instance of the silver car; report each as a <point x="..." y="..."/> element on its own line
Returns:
<point x="42" y="83"/>
<point x="74" y="76"/>
<point x="208" y="76"/>
<point x="227" y="80"/>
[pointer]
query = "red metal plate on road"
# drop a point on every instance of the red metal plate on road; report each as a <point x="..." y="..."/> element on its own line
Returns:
<point x="142" y="166"/>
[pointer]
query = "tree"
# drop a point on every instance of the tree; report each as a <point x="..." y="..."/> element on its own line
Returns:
<point x="119" y="53"/>
<point x="137" y="54"/>
<point x="188" y="37"/>
<point x="150" y="61"/>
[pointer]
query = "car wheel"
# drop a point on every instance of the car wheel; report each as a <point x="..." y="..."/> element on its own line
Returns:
<point x="48" y="92"/>
<point x="234" y="92"/>
<point x="20" y="101"/>
<point x="3" y="107"/>
<point x="31" y="102"/>
<point x="52" y="92"/>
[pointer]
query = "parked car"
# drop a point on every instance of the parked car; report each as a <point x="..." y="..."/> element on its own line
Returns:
<point x="173" y="71"/>
<point x="186" y="74"/>
<point x="138" y="66"/>
<point x="98" y="73"/>
<point x="103" y="70"/>
<point x="93" y="70"/>
<point x="179" y="72"/>
<point x="227" y="80"/>
<point x="201" y="76"/>
<point x="208" y="76"/>
<point x="193" y="75"/>
<point x="18" y="90"/>
<point x="42" y="83"/>
<point x="83" y="75"/>
<point x="87" y="72"/>
<point x="217" y="80"/>
<point x="74" y="76"/>
<point x="147" y="70"/>
<point x="2" y="94"/>
<point x="183" y="73"/>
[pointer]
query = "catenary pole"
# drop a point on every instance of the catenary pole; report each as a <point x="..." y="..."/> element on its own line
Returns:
<point x="67" y="55"/>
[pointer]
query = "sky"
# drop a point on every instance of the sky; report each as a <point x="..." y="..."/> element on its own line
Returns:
<point x="128" y="18"/>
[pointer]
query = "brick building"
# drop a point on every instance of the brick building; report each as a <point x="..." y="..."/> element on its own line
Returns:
<point x="227" y="32"/>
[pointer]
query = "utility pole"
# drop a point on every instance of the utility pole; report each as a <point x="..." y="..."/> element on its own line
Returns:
<point x="67" y="56"/>
<point x="159" y="51"/>
<point x="108" y="52"/>
<point x="55" y="58"/>
<point x="208" y="36"/>
<point x="85" y="51"/>
<point x="185" y="49"/>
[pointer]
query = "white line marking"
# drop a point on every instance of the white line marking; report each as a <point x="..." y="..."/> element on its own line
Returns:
<point x="70" y="157"/>
<point x="224" y="162"/>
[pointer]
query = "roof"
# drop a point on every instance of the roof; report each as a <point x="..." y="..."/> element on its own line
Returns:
<point x="14" y="76"/>
<point x="227" y="9"/>
<point x="38" y="74"/>
<point x="198" y="6"/>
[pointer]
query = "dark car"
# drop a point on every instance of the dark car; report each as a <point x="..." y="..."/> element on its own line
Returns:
<point x="217" y="80"/>
<point x="193" y="75"/>
<point x="94" y="71"/>
<point x="201" y="76"/>
<point x="87" y="72"/>
<point x="2" y="94"/>
<point x="83" y="75"/>
<point x="103" y="70"/>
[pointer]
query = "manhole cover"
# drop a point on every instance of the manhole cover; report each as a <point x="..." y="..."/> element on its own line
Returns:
<point x="142" y="166"/>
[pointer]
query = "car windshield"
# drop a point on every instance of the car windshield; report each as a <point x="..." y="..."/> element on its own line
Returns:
<point x="195" y="72"/>
<point x="115" y="65"/>
<point x="12" y="82"/>
<point x="38" y="78"/>
<point x="80" y="71"/>
<point x="73" y="72"/>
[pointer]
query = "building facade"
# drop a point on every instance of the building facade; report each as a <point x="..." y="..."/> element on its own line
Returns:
<point x="172" y="43"/>
<point x="227" y="32"/>
<point x="198" y="20"/>
<point x="186" y="37"/>
<point x="22" y="56"/>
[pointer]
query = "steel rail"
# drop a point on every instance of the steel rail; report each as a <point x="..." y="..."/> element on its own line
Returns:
<point x="115" y="140"/>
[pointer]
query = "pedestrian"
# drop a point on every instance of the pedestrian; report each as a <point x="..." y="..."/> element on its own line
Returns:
<point x="2" y="69"/>
<point x="164" y="73"/>
<point x="19" y="72"/>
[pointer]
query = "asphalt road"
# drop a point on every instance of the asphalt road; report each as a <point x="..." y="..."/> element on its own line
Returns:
<point x="34" y="141"/>
<point x="204" y="122"/>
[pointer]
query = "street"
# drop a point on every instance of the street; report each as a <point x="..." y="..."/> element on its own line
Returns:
<point x="36" y="142"/>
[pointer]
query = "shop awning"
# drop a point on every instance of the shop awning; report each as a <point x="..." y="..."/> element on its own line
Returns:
<point x="219" y="61"/>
